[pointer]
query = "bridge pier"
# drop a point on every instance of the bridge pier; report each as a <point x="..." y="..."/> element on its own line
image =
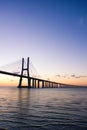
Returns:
<point x="38" y="84"/>
<point x="49" y="84"/>
<point x="21" y="77"/>
<point x="34" y="83"/>
<point x="29" y="83"/>
<point x="42" y="84"/>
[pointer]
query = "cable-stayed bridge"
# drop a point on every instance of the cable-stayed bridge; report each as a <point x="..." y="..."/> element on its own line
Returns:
<point x="27" y="70"/>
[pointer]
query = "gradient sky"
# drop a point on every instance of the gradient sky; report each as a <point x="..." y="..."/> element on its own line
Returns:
<point x="53" y="33"/>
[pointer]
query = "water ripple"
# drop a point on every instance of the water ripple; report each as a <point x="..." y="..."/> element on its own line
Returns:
<point x="43" y="109"/>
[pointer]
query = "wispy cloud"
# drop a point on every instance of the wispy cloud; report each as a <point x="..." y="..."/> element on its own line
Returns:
<point x="71" y="76"/>
<point x="81" y="76"/>
<point x="58" y="75"/>
<point x="78" y="76"/>
<point x="62" y="76"/>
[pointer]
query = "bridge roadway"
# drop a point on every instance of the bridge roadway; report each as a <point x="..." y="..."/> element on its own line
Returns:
<point x="37" y="82"/>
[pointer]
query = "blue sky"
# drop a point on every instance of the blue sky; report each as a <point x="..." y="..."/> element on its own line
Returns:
<point x="53" y="33"/>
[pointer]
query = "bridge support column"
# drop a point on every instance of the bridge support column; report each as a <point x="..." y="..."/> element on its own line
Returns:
<point x="49" y="84"/>
<point x="29" y="82"/>
<point x="42" y="84"/>
<point x="35" y="83"/>
<point x="21" y="77"/>
<point x="38" y="83"/>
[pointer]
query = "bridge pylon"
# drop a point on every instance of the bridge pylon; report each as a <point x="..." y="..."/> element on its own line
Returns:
<point x="24" y="69"/>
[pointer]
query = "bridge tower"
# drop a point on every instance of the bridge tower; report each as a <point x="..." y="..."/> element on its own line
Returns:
<point x="24" y="69"/>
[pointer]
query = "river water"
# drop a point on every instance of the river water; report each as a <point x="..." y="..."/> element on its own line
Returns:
<point x="43" y="109"/>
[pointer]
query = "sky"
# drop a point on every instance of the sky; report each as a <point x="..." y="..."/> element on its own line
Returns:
<point x="53" y="33"/>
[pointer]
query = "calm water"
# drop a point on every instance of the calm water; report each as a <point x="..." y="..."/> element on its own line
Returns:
<point x="43" y="109"/>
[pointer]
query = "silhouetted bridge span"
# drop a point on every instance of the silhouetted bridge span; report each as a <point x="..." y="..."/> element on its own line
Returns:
<point x="32" y="81"/>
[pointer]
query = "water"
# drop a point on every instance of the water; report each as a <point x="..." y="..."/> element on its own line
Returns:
<point x="43" y="109"/>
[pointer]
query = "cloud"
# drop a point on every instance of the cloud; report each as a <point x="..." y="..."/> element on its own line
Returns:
<point x="71" y="76"/>
<point x="58" y="75"/>
<point x="61" y="76"/>
<point x="81" y="76"/>
<point x="78" y="76"/>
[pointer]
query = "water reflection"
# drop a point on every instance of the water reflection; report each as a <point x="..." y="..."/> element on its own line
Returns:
<point x="24" y="97"/>
<point x="35" y="109"/>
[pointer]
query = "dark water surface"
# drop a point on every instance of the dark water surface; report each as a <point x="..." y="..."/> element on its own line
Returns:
<point x="43" y="109"/>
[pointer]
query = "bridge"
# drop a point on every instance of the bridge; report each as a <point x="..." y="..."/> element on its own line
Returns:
<point x="33" y="82"/>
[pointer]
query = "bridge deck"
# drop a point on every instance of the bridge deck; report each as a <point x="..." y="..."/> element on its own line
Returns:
<point x="38" y="79"/>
